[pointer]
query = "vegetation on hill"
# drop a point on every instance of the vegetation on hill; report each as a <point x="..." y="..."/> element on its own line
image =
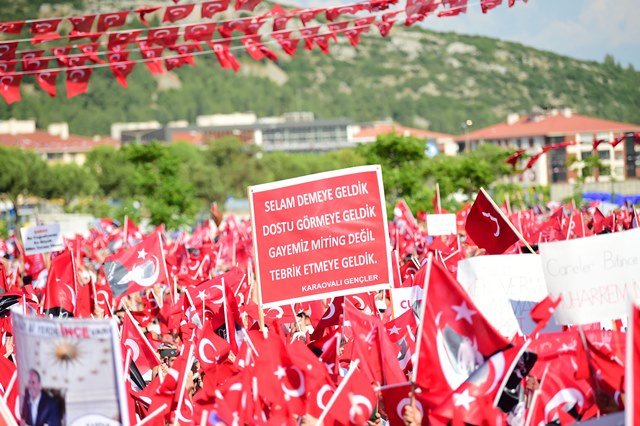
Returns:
<point x="416" y="77"/>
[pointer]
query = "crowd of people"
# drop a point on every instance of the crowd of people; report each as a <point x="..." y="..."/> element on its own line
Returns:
<point x="217" y="358"/>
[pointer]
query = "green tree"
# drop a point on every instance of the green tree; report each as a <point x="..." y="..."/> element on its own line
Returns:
<point x="112" y="171"/>
<point x="68" y="181"/>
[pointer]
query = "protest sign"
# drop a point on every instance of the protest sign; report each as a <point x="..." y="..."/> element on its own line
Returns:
<point x="320" y="236"/>
<point x="73" y="367"/>
<point x="441" y="224"/>
<point x="406" y="298"/>
<point x="597" y="277"/>
<point x="42" y="238"/>
<point x="505" y="288"/>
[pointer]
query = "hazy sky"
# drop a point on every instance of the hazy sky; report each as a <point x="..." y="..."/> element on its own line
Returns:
<point x="584" y="29"/>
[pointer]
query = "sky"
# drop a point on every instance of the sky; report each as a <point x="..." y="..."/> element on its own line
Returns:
<point x="582" y="29"/>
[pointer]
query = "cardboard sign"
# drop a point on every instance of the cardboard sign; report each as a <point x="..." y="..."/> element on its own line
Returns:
<point x="505" y="288"/>
<point x="320" y="236"/>
<point x="78" y="366"/>
<point x="406" y="298"/>
<point x="596" y="276"/>
<point x="441" y="224"/>
<point x="42" y="238"/>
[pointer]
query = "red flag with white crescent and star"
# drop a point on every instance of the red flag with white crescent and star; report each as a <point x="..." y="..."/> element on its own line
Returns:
<point x="62" y="287"/>
<point x="487" y="226"/>
<point x="456" y="338"/>
<point x="139" y="348"/>
<point x="136" y="268"/>
<point x="632" y="367"/>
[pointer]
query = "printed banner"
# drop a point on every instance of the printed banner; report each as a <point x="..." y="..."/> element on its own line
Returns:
<point x="441" y="224"/>
<point x="596" y="276"/>
<point x="72" y="368"/>
<point x="321" y="236"/>
<point x="505" y="288"/>
<point x="42" y="238"/>
<point x="406" y="298"/>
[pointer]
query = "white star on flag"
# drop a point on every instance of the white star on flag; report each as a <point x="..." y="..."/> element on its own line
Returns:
<point x="463" y="399"/>
<point x="463" y="311"/>
<point x="142" y="254"/>
<point x="201" y="295"/>
<point x="394" y="330"/>
<point x="280" y="372"/>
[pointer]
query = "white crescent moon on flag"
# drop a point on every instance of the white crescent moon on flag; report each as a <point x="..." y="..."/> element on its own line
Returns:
<point x="72" y="74"/>
<point x="278" y="309"/>
<point x="73" y="295"/>
<point x="184" y="420"/>
<point x="332" y="311"/>
<point x="135" y="349"/>
<point x="297" y="392"/>
<point x="493" y="219"/>
<point x="567" y="397"/>
<point x="407" y="401"/>
<point x="324" y="389"/>
<point x="498" y="363"/>
<point x="356" y="402"/>
<point x="201" y="350"/>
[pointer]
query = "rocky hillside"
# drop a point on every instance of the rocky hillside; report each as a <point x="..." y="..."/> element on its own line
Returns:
<point x="417" y="77"/>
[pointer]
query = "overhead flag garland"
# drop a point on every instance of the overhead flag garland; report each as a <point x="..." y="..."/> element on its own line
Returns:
<point x="104" y="44"/>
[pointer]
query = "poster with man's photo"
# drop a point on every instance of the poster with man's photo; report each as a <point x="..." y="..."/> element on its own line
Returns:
<point x="69" y="372"/>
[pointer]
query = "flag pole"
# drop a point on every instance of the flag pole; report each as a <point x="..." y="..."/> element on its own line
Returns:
<point x="506" y="219"/>
<point x="339" y="389"/>
<point x="183" y="385"/>
<point x="141" y="334"/>
<point x="438" y="203"/>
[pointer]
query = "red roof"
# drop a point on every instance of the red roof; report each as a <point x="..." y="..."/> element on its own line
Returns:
<point x="189" y="136"/>
<point x="549" y="125"/>
<point x="43" y="142"/>
<point x="383" y="129"/>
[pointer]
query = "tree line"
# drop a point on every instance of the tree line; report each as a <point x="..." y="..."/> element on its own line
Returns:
<point x="174" y="183"/>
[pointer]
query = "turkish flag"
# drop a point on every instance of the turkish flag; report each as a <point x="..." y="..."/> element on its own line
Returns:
<point x="165" y="36"/>
<point x="246" y="4"/>
<point x="92" y="51"/>
<point x="487" y="226"/>
<point x="256" y="49"/>
<point x="152" y="56"/>
<point x="210" y="8"/>
<point x="210" y="348"/>
<point x="632" y="368"/>
<point x="200" y="32"/>
<point x="10" y="88"/>
<point x="176" y="13"/>
<point x="307" y="15"/>
<point x="308" y="35"/>
<point x="225" y="58"/>
<point x="136" y="268"/>
<point x="62" y="286"/>
<point x="62" y="54"/>
<point x="81" y="24"/>
<point x="7" y="67"/>
<point x="285" y="41"/>
<point x="487" y="5"/>
<point x="280" y="22"/>
<point x="47" y="81"/>
<point x="133" y="341"/>
<point x="120" y="66"/>
<point x="385" y="26"/>
<point x="333" y="13"/>
<point x="111" y="20"/>
<point x="330" y="318"/>
<point x="14" y="27"/>
<point x="8" y="50"/>
<point x="513" y="158"/>
<point x="542" y="312"/>
<point x="455" y="339"/>
<point x="119" y="40"/>
<point x="78" y="81"/>
<point x="144" y="11"/>
<point x="44" y="26"/>
<point x="455" y="8"/>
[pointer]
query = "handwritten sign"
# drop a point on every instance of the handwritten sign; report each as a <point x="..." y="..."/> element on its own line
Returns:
<point x="505" y="288"/>
<point x="596" y="276"/>
<point x="320" y="236"/>
<point x="42" y="238"/>
<point x="441" y="224"/>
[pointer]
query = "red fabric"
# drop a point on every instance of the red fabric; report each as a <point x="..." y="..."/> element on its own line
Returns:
<point x="136" y="268"/>
<point x="154" y="64"/>
<point x="62" y="286"/>
<point x="14" y="27"/>
<point x="120" y="40"/>
<point x="47" y="81"/>
<point x="200" y="32"/>
<point x="210" y="8"/>
<point x="333" y="13"/>
<point x="107" y="21"/>
<point x="177" y="13"/>
<point x="142" y="354"/>
<point x="633" y="366"/>
<point x="451" y="316"/>
<point x="165" y="36"/>
<point x="246" y="4"/>
<point x="487" y="227"/>
<point x="78" y="81"/>
<point x="144" y="11"/>
<point x="82" y="24"/>
<point x="44" y="26"/>
<point x="8" y="50"/>
<point x="10" y="88"/>
<point x="285" y="41"/>
<point x="256" y="49"/>
<point x="120" y="66"/>
<point x="487" y="5"/>
<point x="225" y="58"/>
